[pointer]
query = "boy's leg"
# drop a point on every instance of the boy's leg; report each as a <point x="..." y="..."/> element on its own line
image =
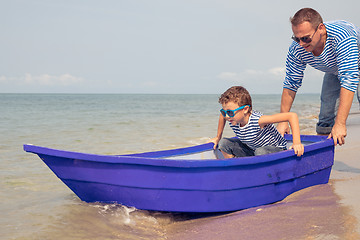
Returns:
<point x="267" y="150"/>
<point x="233" y="147"/>
<point x="330" y="94"/>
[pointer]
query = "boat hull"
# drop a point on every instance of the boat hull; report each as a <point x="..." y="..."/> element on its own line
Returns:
<point x="150" y="181"/>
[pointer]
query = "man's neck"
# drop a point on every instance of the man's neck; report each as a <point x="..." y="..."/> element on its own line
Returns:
<point x="318" y="50"/>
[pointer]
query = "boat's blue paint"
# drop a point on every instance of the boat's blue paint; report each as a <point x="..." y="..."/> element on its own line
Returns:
<point x="151" y="181"/>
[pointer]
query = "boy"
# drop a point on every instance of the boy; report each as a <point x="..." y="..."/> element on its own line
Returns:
<point x="255" y="132"/>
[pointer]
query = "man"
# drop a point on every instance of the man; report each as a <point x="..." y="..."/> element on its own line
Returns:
<point x="331" y="47"/>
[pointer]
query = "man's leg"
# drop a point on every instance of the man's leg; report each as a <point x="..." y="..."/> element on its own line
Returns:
<point x="330" y="94"/>
<point x="357" y="92"/>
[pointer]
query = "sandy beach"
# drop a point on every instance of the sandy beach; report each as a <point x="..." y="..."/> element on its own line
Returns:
<point x="37" y="205"/>
<point x="330" y="211"/>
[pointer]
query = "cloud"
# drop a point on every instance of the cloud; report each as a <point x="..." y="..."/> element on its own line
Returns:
<point x="251" y="73"/>
<point x="279" y="71"/>
<point x="256" y="81"/>
<point x="229" y="76"/>
<point x="271" y="80"/>
<point x="49" y="80"/>
<point x="43" y="80"/>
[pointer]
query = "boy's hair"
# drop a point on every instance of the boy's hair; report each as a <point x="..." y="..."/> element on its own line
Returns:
<point x="306" y="15"/>
<point x="238" y="95"/>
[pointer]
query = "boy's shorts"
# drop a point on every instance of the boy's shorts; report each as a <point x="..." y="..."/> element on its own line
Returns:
<point x="235" y="147"/>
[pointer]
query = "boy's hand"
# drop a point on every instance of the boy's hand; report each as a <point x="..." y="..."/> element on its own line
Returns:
<point x="215" y="140"/>
<point x="298" y="149"/>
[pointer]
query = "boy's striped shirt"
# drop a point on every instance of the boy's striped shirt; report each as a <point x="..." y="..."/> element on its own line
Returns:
<point x="254" y="137"/>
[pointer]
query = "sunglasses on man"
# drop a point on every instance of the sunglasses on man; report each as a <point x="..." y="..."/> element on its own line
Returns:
<point x="305" y="39"/>
<point x="231" y="113"/>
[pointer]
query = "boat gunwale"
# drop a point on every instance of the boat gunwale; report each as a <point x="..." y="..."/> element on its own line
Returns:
<point x="318" y="142"/>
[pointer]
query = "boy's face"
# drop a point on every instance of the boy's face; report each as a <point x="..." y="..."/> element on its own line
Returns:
<point x="240" y="115"/>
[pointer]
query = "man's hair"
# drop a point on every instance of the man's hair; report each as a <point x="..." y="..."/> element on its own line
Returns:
<point x="306" y="15"/>
<point x="236" y="94"/>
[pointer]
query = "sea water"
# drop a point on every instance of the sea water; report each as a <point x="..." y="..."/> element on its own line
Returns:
<point x="35" y="204"/>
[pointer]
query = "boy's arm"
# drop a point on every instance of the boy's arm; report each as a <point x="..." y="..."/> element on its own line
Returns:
<point x="220" y="131"/>
<point x="290" y="117"/>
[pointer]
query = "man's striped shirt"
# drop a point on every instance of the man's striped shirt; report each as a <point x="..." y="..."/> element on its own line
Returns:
<point x="340" y="57"/>
<point x="254" y="137"/>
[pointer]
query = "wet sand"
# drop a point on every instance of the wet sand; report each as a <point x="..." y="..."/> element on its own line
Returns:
<point x="346" y="170"/>
<point x="329" y="211"/>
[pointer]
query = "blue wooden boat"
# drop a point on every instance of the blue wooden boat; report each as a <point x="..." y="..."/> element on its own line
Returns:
<point x="193" y="179"/>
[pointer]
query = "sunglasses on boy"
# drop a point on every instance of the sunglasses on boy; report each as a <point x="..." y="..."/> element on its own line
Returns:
<point x="231" y="113"/>
<point x="305" y="39"/>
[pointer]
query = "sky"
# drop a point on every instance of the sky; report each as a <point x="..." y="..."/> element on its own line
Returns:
<point x="153" y="46"/>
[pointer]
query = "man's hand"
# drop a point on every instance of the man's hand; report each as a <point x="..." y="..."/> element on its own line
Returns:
<point x="338" y="133"/>
<point x="283" y="128"/>
<point x="287" y="99"/>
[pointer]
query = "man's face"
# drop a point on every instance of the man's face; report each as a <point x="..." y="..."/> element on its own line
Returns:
<point x="306" y="30"/>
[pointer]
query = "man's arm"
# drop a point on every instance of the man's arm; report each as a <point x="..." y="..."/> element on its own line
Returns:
<point x="287" y="99"/>
<point x="347" y="55"/>
<point x="338" y="132"/>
